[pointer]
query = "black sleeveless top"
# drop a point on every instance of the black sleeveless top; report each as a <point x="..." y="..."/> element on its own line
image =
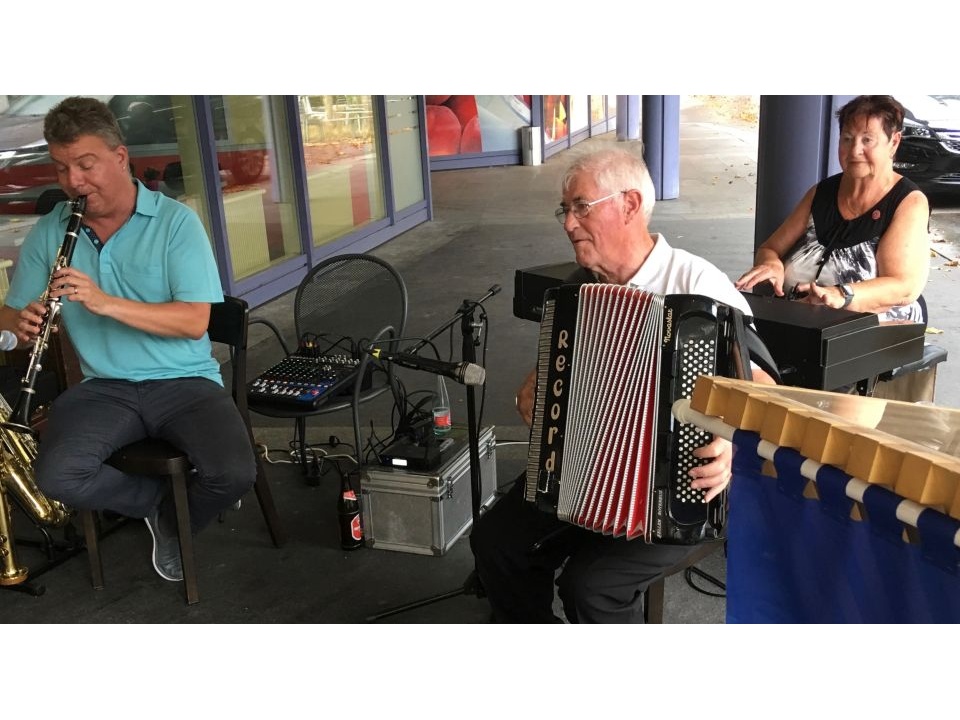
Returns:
<point x="834" y="250"/>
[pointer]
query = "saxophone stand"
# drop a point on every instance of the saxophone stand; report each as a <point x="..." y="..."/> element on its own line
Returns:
<point x="472" y="585"/>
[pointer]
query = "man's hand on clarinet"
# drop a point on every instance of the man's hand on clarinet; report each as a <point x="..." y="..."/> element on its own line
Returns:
<point x="30" y="321"/>
<point x="715" y="475"/>
<point x="70" y="284"/>
<point x="524" y="397"/>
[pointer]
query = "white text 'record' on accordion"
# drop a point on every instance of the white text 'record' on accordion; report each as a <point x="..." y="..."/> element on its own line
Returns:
<point x="605" y="453"/>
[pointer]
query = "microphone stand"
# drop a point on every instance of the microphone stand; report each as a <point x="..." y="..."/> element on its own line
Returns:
<point x="467" y="305"/>
<point x="472" y="585"/>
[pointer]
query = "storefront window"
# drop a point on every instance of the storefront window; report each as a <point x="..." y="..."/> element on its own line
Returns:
<point x="598" y="112"/>
<point x="403" y="144"/>
<point x="579" y="119"/>
<point x="253" y="154"/>
<point x="344" y="183"/>
<point x="462" y="124"/>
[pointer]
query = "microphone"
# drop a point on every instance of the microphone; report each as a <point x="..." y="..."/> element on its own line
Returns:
<point x="8" y="341"/>
<point x="464" y="372"/>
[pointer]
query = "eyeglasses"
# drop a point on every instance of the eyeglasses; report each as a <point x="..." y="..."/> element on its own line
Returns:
<point x="580" y="209"/>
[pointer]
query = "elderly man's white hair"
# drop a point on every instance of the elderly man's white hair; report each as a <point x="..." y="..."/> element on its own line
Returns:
<point x="615" y="169"/>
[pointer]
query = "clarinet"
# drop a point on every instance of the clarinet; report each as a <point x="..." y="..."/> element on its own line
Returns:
<point x="19" y="419"/>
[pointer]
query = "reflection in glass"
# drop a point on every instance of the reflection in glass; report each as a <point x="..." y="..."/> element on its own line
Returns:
<point x="340" y="147"/>
<point x="253" y="152"/>
<point x="554" y="118"/>
<point x="461" y="124"/>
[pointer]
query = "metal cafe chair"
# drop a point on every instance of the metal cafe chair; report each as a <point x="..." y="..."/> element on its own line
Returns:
<point x="341" y="305"/>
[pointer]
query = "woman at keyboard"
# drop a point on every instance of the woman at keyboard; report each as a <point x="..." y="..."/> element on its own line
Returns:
<point x="857" y="240"/>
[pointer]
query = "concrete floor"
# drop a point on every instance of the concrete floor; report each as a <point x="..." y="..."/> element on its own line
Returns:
<point x="488" y="222"/>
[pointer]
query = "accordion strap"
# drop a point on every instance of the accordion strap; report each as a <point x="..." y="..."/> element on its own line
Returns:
<point x="760" y="354"/>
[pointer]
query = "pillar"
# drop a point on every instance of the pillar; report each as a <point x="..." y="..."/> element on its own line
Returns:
<point x="661" y="143"/>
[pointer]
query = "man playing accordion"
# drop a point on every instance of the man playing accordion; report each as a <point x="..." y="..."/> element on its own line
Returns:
<point x="608" y="199"/>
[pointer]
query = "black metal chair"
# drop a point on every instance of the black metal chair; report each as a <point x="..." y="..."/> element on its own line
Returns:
<point x="228" y="325"/>
<point x="341" y="305"/>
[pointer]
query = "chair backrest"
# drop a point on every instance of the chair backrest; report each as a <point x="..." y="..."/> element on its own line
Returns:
<point x="228" y="325"/>
<point x="348" y="299"/>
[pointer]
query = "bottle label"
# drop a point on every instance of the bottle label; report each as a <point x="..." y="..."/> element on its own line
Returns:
<point x="356" y="532"/>
<point x="349" y="495"/>
<point x="441" y="419"/>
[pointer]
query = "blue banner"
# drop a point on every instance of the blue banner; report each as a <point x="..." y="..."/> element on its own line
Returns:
<point x="792" y="559"/>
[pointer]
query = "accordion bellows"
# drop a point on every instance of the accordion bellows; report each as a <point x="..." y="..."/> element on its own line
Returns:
<point x="605" y="453"/>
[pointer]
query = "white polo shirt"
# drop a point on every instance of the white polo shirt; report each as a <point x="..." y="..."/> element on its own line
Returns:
<point x="671" y="271"/>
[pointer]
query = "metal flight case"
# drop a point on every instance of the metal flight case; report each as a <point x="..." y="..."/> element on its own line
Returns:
<point x="426" y="512"/>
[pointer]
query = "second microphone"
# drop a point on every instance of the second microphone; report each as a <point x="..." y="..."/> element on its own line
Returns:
<point x="463" y="372"/>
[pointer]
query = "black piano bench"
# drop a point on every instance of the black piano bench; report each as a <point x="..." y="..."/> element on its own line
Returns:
<point x="915" y="381"/>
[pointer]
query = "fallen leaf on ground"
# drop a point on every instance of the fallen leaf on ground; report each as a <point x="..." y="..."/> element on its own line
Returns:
<point x="933" y="331"/>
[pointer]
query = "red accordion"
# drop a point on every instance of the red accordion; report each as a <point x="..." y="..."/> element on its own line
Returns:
<point x="605" y="452"/>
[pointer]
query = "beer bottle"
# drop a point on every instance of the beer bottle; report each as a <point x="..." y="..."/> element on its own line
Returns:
<point x="348" y="510"/>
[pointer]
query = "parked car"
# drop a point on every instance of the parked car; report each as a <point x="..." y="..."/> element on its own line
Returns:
<point x="929" y="153"/>
<point x="28" y="182"/>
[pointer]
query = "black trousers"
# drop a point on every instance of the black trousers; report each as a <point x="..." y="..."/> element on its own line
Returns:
<point x="92" y="419"/>
<point x="602" y="581"/>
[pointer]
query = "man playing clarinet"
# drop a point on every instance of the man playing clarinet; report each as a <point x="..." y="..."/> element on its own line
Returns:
<point x="136" y="304"/>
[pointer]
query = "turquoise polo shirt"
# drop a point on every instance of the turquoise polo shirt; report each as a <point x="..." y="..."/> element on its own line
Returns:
<point x="161" y="254"/>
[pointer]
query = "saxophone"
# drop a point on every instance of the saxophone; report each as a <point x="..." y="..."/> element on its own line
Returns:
<point x="17" y="454"/>
<point x="18" y="445"/>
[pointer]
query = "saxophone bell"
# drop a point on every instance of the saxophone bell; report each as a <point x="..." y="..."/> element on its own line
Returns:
<point x="10" y="572"/>
<point x="18" y="453"/>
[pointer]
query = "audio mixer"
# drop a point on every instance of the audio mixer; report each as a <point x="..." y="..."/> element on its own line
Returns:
<point x="303" y="383"/>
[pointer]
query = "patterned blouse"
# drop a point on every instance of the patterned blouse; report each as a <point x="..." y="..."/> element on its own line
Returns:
<point x="834" y="251"/>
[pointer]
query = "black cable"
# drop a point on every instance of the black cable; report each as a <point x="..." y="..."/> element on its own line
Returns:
<point x="404" y="414"/>
<point x="691" y="571"/>
<point x="309" y="345"/>
<point x="399" y="414"/>
<point x="332" y="446"/>
<point x="372" y="447"/>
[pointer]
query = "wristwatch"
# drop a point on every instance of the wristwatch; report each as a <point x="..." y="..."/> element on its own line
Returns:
<point x="847" y="294"/>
